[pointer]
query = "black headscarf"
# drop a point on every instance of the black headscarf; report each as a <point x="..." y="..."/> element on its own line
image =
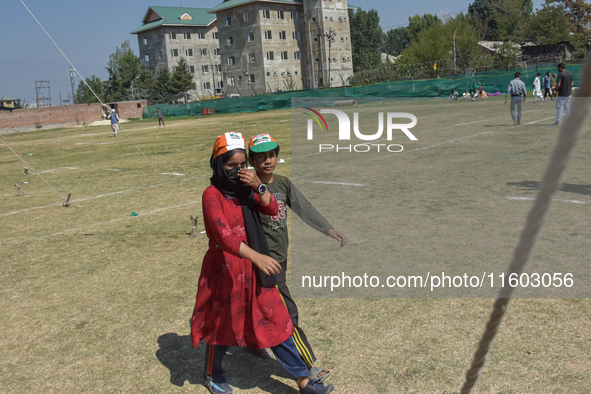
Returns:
<point x="228" y="182"/>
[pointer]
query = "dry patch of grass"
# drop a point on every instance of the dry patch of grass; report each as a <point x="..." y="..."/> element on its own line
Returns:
<point x="93" y="300"/>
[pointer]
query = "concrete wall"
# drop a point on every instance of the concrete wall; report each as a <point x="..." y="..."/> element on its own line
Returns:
<point x="59" y="116"/>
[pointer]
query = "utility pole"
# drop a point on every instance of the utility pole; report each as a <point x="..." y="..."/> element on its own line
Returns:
<point x="455" y="71"/>
<point x="72" y="83"/>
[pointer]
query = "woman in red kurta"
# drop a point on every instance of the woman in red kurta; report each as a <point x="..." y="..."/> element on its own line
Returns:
<point x="236" y="304"/>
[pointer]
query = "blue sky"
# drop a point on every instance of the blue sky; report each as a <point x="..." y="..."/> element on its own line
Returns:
<point x="89" y="31"/>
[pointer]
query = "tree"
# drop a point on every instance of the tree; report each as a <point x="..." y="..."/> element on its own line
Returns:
<point x="162" y="85"/>
<point x="181" y="79"/>
<point x="123" y="67"/>
<point x="578" y="13"/>
<point x="367" y="39"/>
<point x="480" y="13"/>
<point x="512" y="19"/>
<point x="85" y="95"/>
<point x="396" y="41"/>
<point x="550" y="25"/>
<point x="436" y="42"/>
<point x="418" y="23"/>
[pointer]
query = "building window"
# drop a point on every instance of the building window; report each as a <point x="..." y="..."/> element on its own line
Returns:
<point x="249" y="37"/>
<point x="245" y="16"/>
<point x="187" y="36"/>
<point x="205" y="69"/>
<point x="240" y="78"/>
<point x="231" y="81"/>
<point x="284" y="55"/>
<point x="229" y="41"/>
<point x="251" y="58"/>
<point x="207" y="85"/>
<point x="220" y="84"/>
<point x="172" y="35"/>
<point x="296" y="72"/>
<point x="203" y="51"/>
<point x="268" y="73"/>
<point x="268" y="34"/>
<point x="296" y="55"/>
<point x="158" y="54"/>
<point x="214" y="35"/>
<point x="266" y="14"/>
<point x="270" y="55"/>
<point x="218" y="68"/>
<point x="250" y="78"/>
<point x="283" y="35"/>
<point x="227" y="21"/>
<point x="173" y="68"/>
<point x="189" y="52"/>
<point x="146" y="58"/>
<point x="200" y="36"/>
<point x="174" y="52"/>
<point x="216" y="51"/>
<point x="231" y="61"/>
<point x="280" y="15"/>
<point x="294" y="15"/>
<point x="145" y="40"/>
<point x="192" y="69"/>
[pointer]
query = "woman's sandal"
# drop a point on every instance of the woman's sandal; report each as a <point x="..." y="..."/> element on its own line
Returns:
<point x="318" y="374"/>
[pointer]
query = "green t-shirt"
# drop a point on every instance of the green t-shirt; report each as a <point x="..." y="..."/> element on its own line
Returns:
<point x="275" y="227"/>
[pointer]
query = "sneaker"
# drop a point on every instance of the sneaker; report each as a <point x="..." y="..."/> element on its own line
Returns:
<point x="217" y="384"/>
<point x="556" y="124"/>
<point x="316" y="387"/>
<point x="514" y="123"/>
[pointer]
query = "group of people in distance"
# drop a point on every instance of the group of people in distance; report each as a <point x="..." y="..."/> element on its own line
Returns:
<point x="478" y="94"/>
<point x="242" y="297"/>
<point x="563" y="90"/>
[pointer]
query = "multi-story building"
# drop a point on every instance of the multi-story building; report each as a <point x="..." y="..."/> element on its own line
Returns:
<point x="249" y="47"/>
<point x="273" y="45"/>
<point x="169" y="33"/>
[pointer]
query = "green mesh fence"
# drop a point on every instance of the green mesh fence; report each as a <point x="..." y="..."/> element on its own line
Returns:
<point x="491" y="81"/>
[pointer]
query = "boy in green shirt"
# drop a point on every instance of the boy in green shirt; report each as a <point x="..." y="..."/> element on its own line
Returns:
<point x="263" y="153"/>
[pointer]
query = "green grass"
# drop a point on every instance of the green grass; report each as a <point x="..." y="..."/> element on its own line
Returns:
<point x="93" y="300"/>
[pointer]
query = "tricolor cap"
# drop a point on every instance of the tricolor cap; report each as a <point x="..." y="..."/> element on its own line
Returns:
<point x="227" y="142"/>
<point x="262" y="143"/>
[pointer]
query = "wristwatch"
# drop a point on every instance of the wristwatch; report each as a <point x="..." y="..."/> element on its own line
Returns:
<point x="262" y="189"/>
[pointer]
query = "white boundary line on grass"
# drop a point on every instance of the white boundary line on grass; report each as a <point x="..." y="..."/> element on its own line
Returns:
<point x="69" y="230"/>
<point x="79" y="200"/>
<point x="339" y="183"/>
<point x="533" y="199"/>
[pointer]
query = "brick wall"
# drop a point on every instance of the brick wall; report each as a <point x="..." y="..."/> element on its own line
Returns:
<point x="77" y="114"/>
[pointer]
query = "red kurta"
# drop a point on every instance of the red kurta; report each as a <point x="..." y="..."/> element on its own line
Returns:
<point x="230" y="308"/>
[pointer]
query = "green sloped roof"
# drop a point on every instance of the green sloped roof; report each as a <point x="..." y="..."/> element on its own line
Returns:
<point x="235" y="3"/>
<point x="7" y="98"/>
<point x="171" y="16"/>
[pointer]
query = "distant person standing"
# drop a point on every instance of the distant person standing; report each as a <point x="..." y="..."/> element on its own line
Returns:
<point x="114" y="122"/>
<point x="547" y="87"/>
<point x="564" y="87"/>
<point x="553" y="85"/>
<point x="537" y="87"/>
<point x="518" y="92"/>
<point x="160" y="118"/>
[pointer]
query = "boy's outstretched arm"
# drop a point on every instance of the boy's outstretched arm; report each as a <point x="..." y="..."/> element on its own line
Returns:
<point x="306" y="211"/>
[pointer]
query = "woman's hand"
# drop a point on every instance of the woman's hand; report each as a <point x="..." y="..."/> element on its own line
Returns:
<point x="267" y="264"/>
<point x="249" y="177"/>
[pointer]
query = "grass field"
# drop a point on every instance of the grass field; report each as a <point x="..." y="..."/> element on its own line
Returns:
<point x="93" y="300"/>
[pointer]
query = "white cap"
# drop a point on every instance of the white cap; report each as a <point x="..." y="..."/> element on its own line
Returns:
<point x="113" y="110"/>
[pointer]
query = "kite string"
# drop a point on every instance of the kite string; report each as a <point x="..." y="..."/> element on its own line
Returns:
<point x="569" y="134"/>
<point x="100" y="101"/>
<point x="31" y="168"/>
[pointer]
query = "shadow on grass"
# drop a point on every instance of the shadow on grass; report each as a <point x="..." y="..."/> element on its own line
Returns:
<point x="243" y="370"/>
<point x="566" y="187"/>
